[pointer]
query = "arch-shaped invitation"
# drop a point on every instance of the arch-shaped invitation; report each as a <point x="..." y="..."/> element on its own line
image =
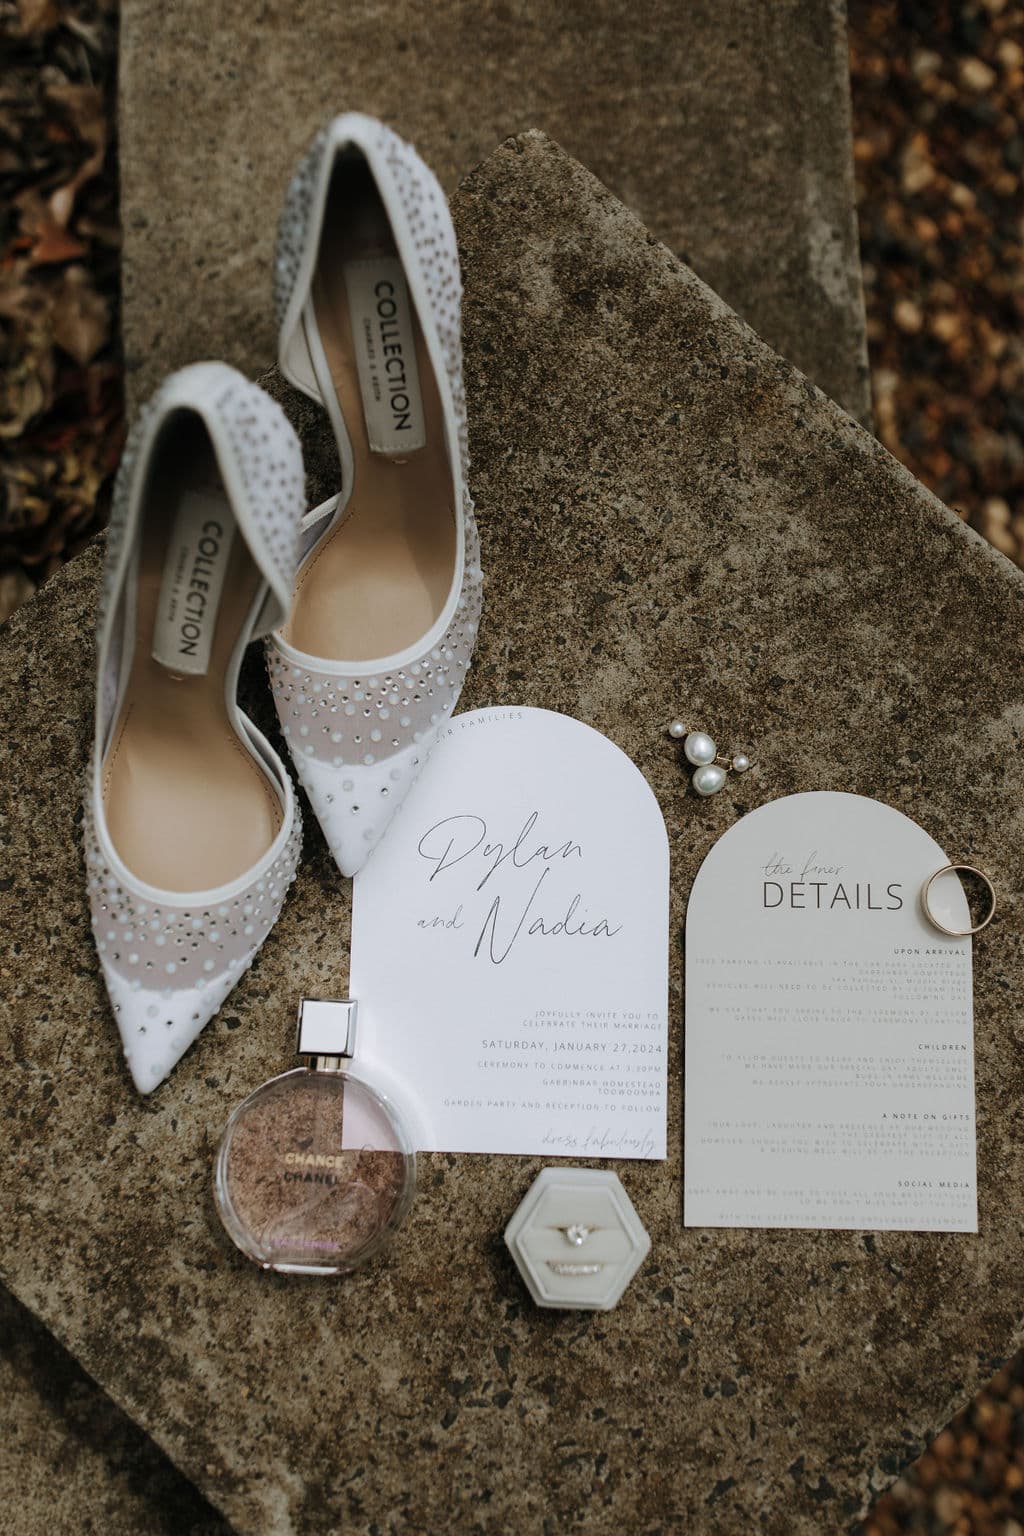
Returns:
<point x="510" y="944"/>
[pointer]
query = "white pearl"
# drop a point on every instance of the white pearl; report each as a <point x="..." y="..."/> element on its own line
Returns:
<point x="708" y="779"/>
<point x="741" y="762"/>
<point x="699" y="748"/>
<point x="677" y="730"/>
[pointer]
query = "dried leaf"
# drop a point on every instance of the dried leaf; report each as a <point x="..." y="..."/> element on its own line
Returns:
<point x="61" y="412"/>
<point x="25" y="392"/>
<point x="38" y="16"/>
<point x="84" y="108"/>
<point x="54" y="244"/>
<point x="81" y="319"/>
<point x="16" y="587"/>
<point x="61" y="205"/>
<point x="45" y="238"/>
<point x="20" y="300"/>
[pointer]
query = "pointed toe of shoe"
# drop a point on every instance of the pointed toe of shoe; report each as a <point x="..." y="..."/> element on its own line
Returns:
<point x="157" y="1027"/>
<point x="356" y="805"/>
<point x="169" y="959"/>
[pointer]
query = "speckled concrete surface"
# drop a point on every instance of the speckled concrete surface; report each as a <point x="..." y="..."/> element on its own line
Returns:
<point x="674" y="521"/>
<point x="70" y="1461"/>
<point x="724" y="123"/>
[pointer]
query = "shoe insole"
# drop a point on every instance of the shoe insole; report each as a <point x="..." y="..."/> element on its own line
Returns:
<point x="380" y="579"/>
<point x="187" y="807"/>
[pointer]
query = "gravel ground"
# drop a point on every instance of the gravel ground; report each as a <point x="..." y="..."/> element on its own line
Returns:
<point x="61" y="398"/>
<point x="938" y="93"/>
<point x="938" y="96"/>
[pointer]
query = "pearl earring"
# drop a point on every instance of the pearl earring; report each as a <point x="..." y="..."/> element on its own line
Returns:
<point x="711" y="769"/>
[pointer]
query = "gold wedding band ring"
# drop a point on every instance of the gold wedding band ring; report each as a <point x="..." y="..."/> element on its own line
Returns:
<point x="956" y="869"/>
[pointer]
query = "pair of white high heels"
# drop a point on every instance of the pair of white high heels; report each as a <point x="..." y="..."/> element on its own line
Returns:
<point x="369" y="604"/>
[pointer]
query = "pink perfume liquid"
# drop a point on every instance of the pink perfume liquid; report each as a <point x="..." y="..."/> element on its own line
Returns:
<point x="314" y="1173"/>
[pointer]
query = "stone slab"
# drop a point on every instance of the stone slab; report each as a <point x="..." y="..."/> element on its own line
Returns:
<point x="70" y="1461"/>
<point x="724" y="123"/>
<point x="684" y="526"/>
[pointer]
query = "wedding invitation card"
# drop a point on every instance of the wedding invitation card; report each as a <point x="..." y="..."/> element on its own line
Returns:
<point x="829" y="1026"/>
<point x="510" y="944"/>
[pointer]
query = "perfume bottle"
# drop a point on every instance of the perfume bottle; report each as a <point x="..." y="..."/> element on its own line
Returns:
<point x="316" y="1169"/>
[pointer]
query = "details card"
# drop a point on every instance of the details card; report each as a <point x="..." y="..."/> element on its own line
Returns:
<point x="829" y="1026"/>
<point x="510" y="944"/>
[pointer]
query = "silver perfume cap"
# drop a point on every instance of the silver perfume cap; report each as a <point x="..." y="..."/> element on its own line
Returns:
<point x="327" y="1031"/>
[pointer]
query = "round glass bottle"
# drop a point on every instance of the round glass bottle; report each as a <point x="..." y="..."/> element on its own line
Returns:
<point x="316" y="1169"/>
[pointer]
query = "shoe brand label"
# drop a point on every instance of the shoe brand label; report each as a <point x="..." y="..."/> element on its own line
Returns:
<point x="197" y="560"/>
<point x="385" y="341"/>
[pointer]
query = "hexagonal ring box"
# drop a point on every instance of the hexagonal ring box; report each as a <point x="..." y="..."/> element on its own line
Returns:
<point x="576" y="1239"/>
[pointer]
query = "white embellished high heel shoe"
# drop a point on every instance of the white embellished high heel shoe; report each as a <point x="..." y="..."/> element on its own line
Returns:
<point x="387" y="600"/>
<point x="192" y="832"/>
